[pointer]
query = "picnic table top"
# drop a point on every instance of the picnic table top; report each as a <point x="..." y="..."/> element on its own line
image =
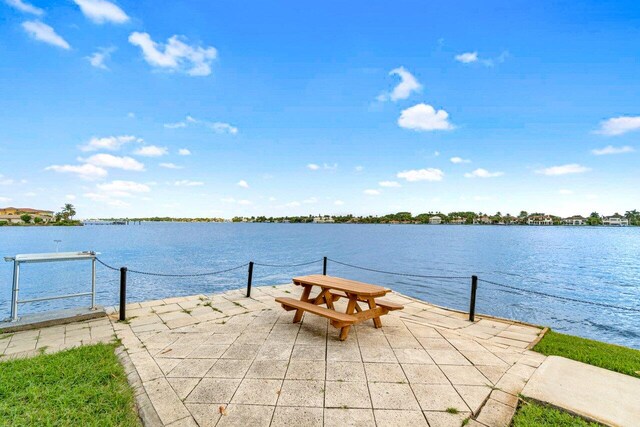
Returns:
<point x="344" y="285"/>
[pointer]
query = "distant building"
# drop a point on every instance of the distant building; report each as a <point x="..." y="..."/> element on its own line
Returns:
<point x="458" y="220"/>
<point x="575" y="220"/>
<point x="13" y="215"/>
<point x="482" y="220"/>
<point x="615" y="220"/>
<point x="435" y="220"/>
<point x="323" y="219"/>
<point x="539" y="220"/>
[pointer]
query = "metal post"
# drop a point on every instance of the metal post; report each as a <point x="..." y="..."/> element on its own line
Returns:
<point x="249" y="279"/>
<point x="14" y="293"/>
<point x="324" y="266"/>
<point x="93" y="284"/>
<point x="472" y="302"/>
<point x="123" y="293"/>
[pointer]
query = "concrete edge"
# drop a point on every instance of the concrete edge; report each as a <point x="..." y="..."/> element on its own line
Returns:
<point x="98" y="313"/>
<point x="538" y="339"/>
<point x="146" y="411"/>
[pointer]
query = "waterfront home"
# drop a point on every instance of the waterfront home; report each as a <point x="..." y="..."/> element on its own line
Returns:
<point x="482" y="220"/>
<point x="435" y="220"/>
<point x="575" y="220"/>
<point x="323" y="219"/>
<point x="12" y="215"/>
<point x="458" y="220"/>
<point x="615" y="220"/>
<point x="539" y="220"/>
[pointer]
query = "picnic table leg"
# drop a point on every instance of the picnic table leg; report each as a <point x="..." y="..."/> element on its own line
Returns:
<point x="351" y="306"/>
<point x="376" y="320"/>
<point x="305" y="298"/>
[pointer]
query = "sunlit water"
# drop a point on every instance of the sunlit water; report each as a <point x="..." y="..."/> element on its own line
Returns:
<point x="589" y="263"/>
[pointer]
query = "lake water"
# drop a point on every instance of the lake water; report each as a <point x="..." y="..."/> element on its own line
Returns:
<point x="590" y="263"/>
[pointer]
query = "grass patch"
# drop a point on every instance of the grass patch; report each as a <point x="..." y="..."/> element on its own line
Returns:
<point x="531" y="414"/>
<point x="609" y="356"/>
<point x="84" y="386"/>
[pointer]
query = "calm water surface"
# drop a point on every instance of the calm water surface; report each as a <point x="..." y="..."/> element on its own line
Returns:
<point x="591" y="263"/>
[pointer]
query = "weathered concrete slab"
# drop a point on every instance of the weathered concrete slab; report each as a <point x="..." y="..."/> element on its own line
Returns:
<point x="599" y="394"/>
<point x="51" y="318"/>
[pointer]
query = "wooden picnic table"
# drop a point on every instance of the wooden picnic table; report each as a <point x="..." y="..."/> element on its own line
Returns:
<point x="331" y="290"/>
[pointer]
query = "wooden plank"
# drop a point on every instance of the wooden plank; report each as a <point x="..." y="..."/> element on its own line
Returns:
<point x="388" y="304"/>
<point x="376" y="319"/>
<point x="371" y="314"/>
<point x="346" y="285"/>
<point x="304" y="297"/>
<point x="344" y="332"/>
<point x="316" y="309"/>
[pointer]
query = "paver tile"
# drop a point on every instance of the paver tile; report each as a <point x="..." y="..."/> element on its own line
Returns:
<point x="348" y="417"/>
<point x="304" y="370"/>
<point x="438" y="397"/>
<point x="206" y="415"/>
<point x="347" y="395"/>
<point x="392" y="396"/>
<point x="424" y="374"/>
<point x="213" y="390"/>
<point x="257" y="392"/>
<point x="194" y="368"/>
<point x="229" y="368"/>
<point x="288" y="416"/>
<point x="302" y="393"/>
<point x="385" y="372"/>
<point x="246" y="415"/>
<point x="396" y="418"/>
<point x="445" y="419"/>
<point x="267" y="369"/>
<point x="464" y="375"/>
<point x="496" y="414"/>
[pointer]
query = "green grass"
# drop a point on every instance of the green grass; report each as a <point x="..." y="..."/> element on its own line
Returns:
<point x="85" y="386"/>
<point x="609" y="356"/>
<point x="531" y="414"/>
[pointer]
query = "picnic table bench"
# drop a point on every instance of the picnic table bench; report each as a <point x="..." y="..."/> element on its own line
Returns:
<point x="331" y="290"/>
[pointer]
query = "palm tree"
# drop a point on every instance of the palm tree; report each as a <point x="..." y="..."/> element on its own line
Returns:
<point x="68" y="211"/>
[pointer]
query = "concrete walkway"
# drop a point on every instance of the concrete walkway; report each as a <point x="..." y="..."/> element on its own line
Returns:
<point x="224" y="359"/>
<point x="595" y="393"/>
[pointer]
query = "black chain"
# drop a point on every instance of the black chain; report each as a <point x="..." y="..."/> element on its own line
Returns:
<point x="287" y="265"/>
<point x="147" y="273"/>
<point x="599" y="304"/>
<point x="398" y="274"/>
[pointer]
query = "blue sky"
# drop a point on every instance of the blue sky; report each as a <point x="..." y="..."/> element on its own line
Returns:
<point x="228" y="108"/>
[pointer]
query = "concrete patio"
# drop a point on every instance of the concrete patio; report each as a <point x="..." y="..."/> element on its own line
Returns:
<point x="226" y="360"/>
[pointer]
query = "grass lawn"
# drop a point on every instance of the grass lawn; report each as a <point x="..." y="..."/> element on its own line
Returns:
<point x="531" y="414"/>
<point x="613" y="357"/>
<point x="84" y="386"/>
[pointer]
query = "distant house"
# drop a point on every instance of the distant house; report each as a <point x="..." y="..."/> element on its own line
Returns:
<point x="458" y="220"/>
<point x="615" y="220"/>
<point x="482" y="220"/>
<point x="435" y="220"/>
<point x="323" y="219"/>
<point x="539" y="220"/>
<point x="12" y="215"/>
<point x="575" y="220"/>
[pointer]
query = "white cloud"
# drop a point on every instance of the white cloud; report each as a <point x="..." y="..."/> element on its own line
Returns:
<point x="70" y="197"/>
<point x="310" y="200"/>
<point x="25" y="7"/>
<point x="170" y="166"/>
<point x="86" y="171"/>
<point x="359" y="168"/>
<point x="131" y="115"/>
<point x="111" y="161"/>
<point x="5" y="181"/>
<point x="389" y="184"/>
<point x="175" y="55"/>
<point x="188" y="183"/>
<point x="338" y="203"/>
<point x="467" y="57"/>
<point x="111" y="143"/>
<point x="176" y="125"/>
<point x="184" y="152"/>
<point x="4" y="199"/>
<point x="429" y="174"/>
<point x="228" y="200"/>
<point x="245" y="202"/>
<point x="98" y="58"/>
<point x="565" y="192"/>
<point x="610" y="149"/>
<point x="293" y="204"/>
<point x="408" y="84"/>
<point x="313" y="166"/>
<point x="372" y="192"/>
<point x="423" y="117"/>
<point x="101" y="11"/>
<point x="459" y="160"/>
<point x="220" y="127"/>
<point x="151" y="151"/>
<point x="242" y="183"/>
<point x="272" y="199"/>
<point x="123" y="188"/>
<point x="482" y="173"/>
<point x="619" y="125"/>
<point x="44" y="33"/>
<point x="563" y="170"/>
<point x="330" y="167"/>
